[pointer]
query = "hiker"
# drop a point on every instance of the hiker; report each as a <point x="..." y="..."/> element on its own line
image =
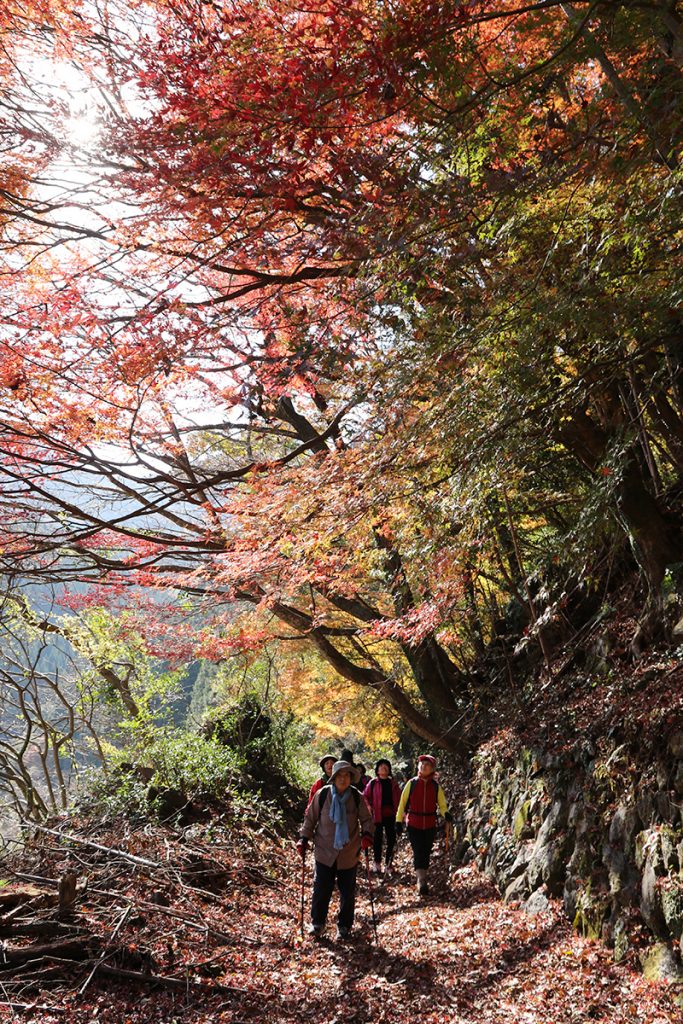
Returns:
<point x="383" y="796"/>
<point x="347" y="756"/>
<point x="326" y="762"/>
<point x="420" y="800"/>
<point x="340" y="825"/>
<point x="364" y="779"/>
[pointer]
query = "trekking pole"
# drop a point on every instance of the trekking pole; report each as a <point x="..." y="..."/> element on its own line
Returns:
<point x="303" y="885"/>
<point x="372" y="902"/>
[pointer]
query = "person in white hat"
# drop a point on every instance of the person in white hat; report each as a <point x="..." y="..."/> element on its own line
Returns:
<point x="339" y="822"/>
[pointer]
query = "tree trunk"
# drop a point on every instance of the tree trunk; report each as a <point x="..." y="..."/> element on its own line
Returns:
<point x="438" y="679"/>
<point x="653" y="539"/>
<point x="435" y="728"/>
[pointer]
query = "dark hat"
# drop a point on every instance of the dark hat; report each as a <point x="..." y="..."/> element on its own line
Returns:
<point x="326" y="757"/>
<point x="428" y="758"/>
<point x="346" y="755"/>
<point x="344" y="766"/>
<point x="383" y="760"/>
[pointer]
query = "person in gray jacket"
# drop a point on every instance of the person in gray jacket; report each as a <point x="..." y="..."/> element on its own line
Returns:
<point x="339" y="822"/>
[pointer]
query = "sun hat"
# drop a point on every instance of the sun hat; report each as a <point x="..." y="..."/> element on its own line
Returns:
<point x="326" y="757"/>
<point x="344" y="766"/>
<point x="428" y="758"/>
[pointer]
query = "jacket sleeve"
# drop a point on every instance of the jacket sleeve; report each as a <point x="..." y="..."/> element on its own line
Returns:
<point x="311" y="818"/>
<point x="313" y="790"/>
<point x="441" y="801"/>
<point x="403" y="801"/>
<point x="367" y="793"/>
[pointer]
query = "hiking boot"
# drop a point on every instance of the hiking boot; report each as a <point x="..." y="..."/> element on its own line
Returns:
<point x="422" y="886"/>
<point x="342" y="932"/>
<point x="423" y="889"/>
<point x="315" y="930"/>
<point x="388" y="871"/>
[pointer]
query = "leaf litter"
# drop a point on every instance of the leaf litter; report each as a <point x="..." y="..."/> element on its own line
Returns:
<point x="209" y="932"/>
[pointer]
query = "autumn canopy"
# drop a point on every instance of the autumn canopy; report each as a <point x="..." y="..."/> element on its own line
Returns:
<point x="348" y="326"/>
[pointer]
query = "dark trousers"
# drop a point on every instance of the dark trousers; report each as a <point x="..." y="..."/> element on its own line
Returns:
<point x="323" y="887"/>
<point x="421" y="840"/>
<point x="388" y="826"/>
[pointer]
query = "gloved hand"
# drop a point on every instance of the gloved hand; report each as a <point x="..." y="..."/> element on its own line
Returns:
<point x="448" y="817"/>
<point x="399" y="828"/>
<point x="302" y="846"/>
<point x="366" y="842"/>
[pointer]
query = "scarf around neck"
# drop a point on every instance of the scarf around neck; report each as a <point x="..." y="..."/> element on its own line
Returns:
<point x="338" y="816"/>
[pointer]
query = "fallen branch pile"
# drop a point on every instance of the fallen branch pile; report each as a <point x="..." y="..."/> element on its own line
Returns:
<point x="155" y="909"/>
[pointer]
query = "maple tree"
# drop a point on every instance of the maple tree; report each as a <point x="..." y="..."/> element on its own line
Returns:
<point x="370" y="328"/>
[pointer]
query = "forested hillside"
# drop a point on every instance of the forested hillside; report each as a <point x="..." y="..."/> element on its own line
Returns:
<point x="341" y="403"/>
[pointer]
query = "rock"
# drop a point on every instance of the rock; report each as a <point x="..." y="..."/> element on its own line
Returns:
<point x="536" y="805"/>
<point x="671" y="898"/>
<point x="663" y="805"/>
<point x="623" y="826"/>
<point x="570" y="897"/>
<point x="521" y="862"/>
<point x="591" y="912"/>
<point x="501" y="854"/>
<point x="551" y="850"/>
<point x="575" y="813"/>
<point x="614" y="859"/>
<point x="536" y="903"/>
<point x="661" y="963"/>
<point x="521" y="826"/>
<point x="650" y="905"/>
<point x="643" y="840"/>
<point x="645" y="807"/>
<point x="662" y="774"/>
<point x="676" y="744"/>
<point x="621" y="940"/>
<point x="548" y="864"/>
<point x="668" y="850"/>
<point x="517" y="889"/>
<point x="677" y="632"/>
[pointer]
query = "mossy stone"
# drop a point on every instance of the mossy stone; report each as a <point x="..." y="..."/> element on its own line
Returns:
<point x="521" y="820"/>
<point x="661" y="963"/>
<point x="672" y="908"/>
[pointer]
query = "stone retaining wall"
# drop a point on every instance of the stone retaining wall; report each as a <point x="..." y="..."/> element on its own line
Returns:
<point x="594" y="828"/>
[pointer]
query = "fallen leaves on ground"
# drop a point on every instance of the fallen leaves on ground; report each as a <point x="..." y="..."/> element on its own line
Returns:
<point x="218" y="919"/>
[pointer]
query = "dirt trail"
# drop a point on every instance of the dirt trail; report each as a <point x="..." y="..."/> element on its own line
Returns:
<point x="460" y="956"/>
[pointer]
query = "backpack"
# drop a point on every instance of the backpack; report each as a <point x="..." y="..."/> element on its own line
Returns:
<point x="323" y="796"/>
<point x="410" y="792"/>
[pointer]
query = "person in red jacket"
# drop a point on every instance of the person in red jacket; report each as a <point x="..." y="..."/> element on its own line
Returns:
<point x="421" y="798"/>
<point x="383" y="795"/>
<point x="326" y="763"/>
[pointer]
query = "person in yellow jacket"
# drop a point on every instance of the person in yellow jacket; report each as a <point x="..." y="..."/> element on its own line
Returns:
<point x="421" y="799"/>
